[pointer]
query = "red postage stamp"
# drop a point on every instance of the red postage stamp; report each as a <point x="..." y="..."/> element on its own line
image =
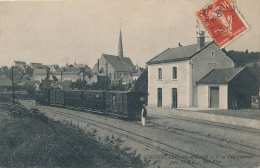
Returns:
<point x="223" y="22"/>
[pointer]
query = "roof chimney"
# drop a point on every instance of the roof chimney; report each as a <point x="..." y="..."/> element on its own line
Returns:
<point x="201" y="40"/>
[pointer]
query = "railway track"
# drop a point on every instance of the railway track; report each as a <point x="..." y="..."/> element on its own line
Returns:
<point x="166" y="149"/>
<point x="214" y="138"/>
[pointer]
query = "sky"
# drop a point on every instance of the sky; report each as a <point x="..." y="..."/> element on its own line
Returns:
<point x="60" y="32"/>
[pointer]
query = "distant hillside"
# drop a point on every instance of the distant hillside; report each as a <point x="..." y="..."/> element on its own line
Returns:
<point x="242" y="58"/>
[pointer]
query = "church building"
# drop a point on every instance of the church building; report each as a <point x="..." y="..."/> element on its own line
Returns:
<point x="119" y="69"/>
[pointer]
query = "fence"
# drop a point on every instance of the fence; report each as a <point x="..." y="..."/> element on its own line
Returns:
<point x="18" y="95"/>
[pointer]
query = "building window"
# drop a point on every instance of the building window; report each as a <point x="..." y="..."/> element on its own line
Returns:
<point x="110" y="75"/>
<point x="174" y="72"/>
<point x="212" y="54"/>
<point x="159" y="97"/>
<point x="159" y="73"/>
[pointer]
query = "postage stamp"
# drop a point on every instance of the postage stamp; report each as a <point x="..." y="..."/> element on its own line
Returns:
<point x="223" y="22"/>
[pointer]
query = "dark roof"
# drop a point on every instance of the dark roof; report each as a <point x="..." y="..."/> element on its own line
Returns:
<point x="57" y="72"/>
<point x="39" y="72"/>
<point x="177" y="54"/>
<point x="71" y="71"/>
<point x="34" y="63"/>
<point x="220" y="76"/>
<point x="20" y="62"/>
<point x="124" y="65"/>
<point x="80" y="66"/>
<point x="5" y="81"/>
<point x="54" y="65"/>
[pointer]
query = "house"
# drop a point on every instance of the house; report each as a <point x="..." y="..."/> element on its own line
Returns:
<point x="53" y="67"/>
<point x="101" y="82"/>
<point x="5" y="84"/>
<point x="35" y="65"/>
<point x="174" y="73"/>
<point x="64" y="85"/>
<point x="229" y="88"/>
<point x="137" y="74"/>
<point x="117" y="68"/>
<point x="28" y="83"/>
<point x="52" y="78"/>
<point x="17" y="74"/>
<point x="75" y="65"/>
<point x="71" y="74"/>
<point x="57" y="73"/>
<point x="20" y="64"/>
<point x="39" y="74"/>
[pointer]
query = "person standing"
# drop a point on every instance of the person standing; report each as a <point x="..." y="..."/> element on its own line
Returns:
<point x="144" y="114"/>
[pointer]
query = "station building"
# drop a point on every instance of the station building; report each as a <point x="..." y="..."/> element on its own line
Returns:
<point x="190" y="76"/>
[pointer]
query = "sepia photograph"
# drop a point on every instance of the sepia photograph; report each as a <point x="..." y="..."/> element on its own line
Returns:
<point x="130" y="83"/>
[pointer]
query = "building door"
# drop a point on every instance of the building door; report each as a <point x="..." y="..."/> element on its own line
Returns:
<point x="174" y="97"/>
<point x="159" y="98"/>
<point x="214" y="97"/>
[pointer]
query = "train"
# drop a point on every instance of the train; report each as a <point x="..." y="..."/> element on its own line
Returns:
<point x="123" y="104"/>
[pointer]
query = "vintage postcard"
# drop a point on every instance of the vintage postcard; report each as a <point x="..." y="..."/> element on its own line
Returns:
<point x="142" y="83"/>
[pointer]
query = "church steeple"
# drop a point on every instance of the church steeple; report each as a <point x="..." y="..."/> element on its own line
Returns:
<point x="120" y="46"/>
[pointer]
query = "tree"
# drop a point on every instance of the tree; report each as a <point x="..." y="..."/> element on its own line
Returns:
<point x="28" y="71"/>
<point x="118" y="87"/>
<point x="3" y="68"/>
<point x="242" y="58"/>
<point x="142" y="82"/>
<point x="80" y="84"/>
<point x="141" y="87"/>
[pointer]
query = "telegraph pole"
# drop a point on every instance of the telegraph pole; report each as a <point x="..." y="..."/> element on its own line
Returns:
<point x="13" y="83"/>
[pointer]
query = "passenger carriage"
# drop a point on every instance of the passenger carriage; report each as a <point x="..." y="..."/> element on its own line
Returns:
<point x="94" y="99"/>
<point x="126" y="104"/>
<point x="123" y="103"/>
<point x="57" y="97"/>
<point x="73" y="98"/>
